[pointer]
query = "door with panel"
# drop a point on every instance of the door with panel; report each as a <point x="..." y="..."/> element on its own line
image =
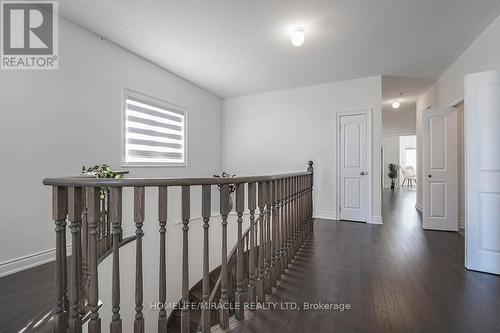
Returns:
<point x="482" y="170"/>
<point x="354" y="146"/>
<point x="440" y="171"/>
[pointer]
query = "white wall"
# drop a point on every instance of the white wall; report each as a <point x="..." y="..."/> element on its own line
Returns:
<point x="280" y="131"/>
<point x="401" y="121"/>
<point x="483" y="54"/>
<point x="53" y="122"/>
<point x="391" y="155"/>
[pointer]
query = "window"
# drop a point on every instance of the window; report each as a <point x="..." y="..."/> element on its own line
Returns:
<point x="410" y="158"/>
<point x="154" y="132"/>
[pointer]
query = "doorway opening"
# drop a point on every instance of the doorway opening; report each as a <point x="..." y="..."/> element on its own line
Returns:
<point x="400" y="168"/>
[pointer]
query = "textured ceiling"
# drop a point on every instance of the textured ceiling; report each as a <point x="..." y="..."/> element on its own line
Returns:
<point x="240" y="47"/>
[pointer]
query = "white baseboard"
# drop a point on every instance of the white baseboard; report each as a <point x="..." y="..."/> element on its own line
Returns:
<point x="319" y="214"/>
<point x="29" y="261"/>
<point x="376" y="220"/>
<point x="39" y="258"/>
<point x="461" y="224"/>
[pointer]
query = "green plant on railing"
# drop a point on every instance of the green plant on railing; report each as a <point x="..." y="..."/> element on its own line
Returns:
<point x="102" y="171"/>
<point x="232" y="187"/>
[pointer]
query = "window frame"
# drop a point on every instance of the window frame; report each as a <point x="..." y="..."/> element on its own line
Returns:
<point x="160" y="103"/>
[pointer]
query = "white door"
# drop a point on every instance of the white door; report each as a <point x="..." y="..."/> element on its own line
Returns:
<point x="482" y="170"/>
<point x="440" y="172"/>
<point x="354" y="161"/>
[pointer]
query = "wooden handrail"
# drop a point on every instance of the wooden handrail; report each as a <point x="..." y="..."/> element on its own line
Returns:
<point x="154" y="182"/>
<point x="280" y="221"/>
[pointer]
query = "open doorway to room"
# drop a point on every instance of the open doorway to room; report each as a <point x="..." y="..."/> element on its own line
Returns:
<point x="408" y="161"/>
<point x="399" y="148"/>
<point x="400" y="167"/>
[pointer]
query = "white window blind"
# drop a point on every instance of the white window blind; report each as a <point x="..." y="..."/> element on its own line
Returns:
<point x="155" y="132"/>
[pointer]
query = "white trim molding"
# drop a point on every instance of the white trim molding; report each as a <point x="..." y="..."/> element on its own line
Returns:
<point x="376" y="220"/>
<point x="40" y="258"/>
<point x="29" y="261"/>
<point x="461" y="224"/>
<point x="418" y="206"/>
<point x="321" y="214"/>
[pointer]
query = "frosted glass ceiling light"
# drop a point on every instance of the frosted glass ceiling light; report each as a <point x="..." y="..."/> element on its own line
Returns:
<point x="396" y="104"/>
<point x="298" y="37"/>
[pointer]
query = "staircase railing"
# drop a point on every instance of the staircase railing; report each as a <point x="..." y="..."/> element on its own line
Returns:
<point x="284" y="220"/>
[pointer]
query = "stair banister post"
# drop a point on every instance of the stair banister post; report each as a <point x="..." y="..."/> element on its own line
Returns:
<point x="251" y="262"/>
<point x="310" y="168"/>
<point x="162" y="280"/>
<point x="268" y="276"/>
<point x="224" y="300"/>
<point x="139" y="214"/>
<point x="282" y="226"/>
<point x="276" y="228"/>
<point x="75" y="217"/>
<point x="115" y="218"/>
<point x="93" y="206"/>
<point x="262" y="242"/>
<point x="186" y="210"/>
<point x="206" y="209"/>
<point x="240" y="290"/>
<point x="59" y="212"/>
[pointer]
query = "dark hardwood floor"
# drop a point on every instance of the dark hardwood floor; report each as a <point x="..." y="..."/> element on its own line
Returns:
<point x="26" y="295"/>
<point x="396" y="278"/>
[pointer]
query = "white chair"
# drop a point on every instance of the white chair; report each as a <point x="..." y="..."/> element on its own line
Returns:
<point x="409" y="176"/>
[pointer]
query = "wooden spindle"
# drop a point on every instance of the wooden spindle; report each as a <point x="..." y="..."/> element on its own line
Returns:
<point x="283" y="223"/>
<point x="224" y="211"/>
<point x="59" y="212"/>
<point x="80" y="253"/>
<point x="268" y="248"/>
<point x="279" y="248"/>
<point x="85" y="254"/>
<point x="75" y="216"/>
<point x="240" y="291"/>
<point x="139" y="213"/>
<point x="302" y="210"/>
<point x="206" y="208"/>
<point x="273" y="233"/>
<point x="162" y="280"/>
<point x="252" y="269"/>
<point x="115" y="218"/>
<point x="296" y="213"/>
<point x="287" y="221"/>
<point x="294" y="216"/>
<point x="186" y="210"/>
<point x="93" y="206"/>
<point x="310" y="168"/>
<point x="277" y="245"/>
<point x="262" y="243"/>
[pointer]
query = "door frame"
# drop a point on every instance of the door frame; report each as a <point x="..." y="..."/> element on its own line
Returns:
<point x="338" y="115"/>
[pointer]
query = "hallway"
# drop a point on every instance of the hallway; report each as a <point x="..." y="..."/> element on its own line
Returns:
<point x="396" y="278"/>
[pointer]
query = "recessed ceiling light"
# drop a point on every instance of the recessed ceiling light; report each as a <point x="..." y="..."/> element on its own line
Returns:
<point x="297" y="37"/>
<point x="396" y="104"/>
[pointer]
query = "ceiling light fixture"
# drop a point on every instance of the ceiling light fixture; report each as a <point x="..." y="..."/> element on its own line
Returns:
<point x="297" y="37"/>
<point x="396" y="104"/>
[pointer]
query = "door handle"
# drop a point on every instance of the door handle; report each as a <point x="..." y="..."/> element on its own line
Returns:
<point x="362" y="173"/>
<point x="430" y="176"/>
